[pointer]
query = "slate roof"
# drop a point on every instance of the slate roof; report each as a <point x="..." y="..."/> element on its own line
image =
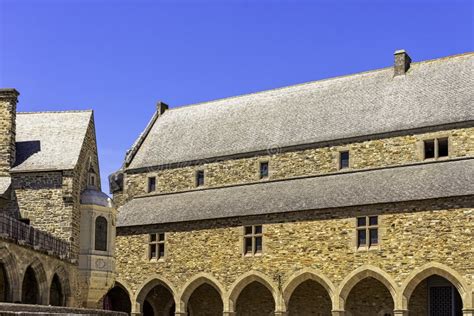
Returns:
<point x="398" y="184"/>
<point x="431" y="93"/>
<point x="4" y="185"/>
<point x="49" y="140"/>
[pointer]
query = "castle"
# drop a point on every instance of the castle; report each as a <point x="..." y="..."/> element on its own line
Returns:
<point x="346" y="196"/>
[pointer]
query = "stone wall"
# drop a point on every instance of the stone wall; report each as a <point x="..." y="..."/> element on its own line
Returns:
<point x="375" y="153"/>
<point x="412" y="235"/>
<point x="8" y="100"/>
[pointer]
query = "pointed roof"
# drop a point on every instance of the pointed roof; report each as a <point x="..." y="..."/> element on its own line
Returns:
<point x="432" y="93"/>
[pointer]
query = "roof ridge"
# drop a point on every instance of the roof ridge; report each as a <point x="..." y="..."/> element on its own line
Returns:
<point x="319" y="81"/>
<point x="60" y="112"/>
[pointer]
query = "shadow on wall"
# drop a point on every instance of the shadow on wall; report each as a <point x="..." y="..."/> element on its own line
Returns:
<point x="25" y="150"/>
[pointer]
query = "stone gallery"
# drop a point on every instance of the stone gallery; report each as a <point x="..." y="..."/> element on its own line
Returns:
<point x="347" y="196"/>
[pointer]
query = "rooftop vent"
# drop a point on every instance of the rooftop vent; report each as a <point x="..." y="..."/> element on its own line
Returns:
<point x="402" y="62"/>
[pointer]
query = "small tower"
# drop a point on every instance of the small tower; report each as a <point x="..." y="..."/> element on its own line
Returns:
<point x="96" y="256"/>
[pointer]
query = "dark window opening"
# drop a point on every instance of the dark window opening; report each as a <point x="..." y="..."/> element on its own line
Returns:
<point x="344" y="159"/>
<point x="200" y="178"/>
<point x="151" y="184"/>
<point x="157" y="246"/>
<point x="55" y="292"/>
<point x="369" y="231"/>
<point x="443" y="147"/>
<point x="429" y="149"/>
<point x="101" y="234"/>
<point x="253" y="240"/>
<point x="263" y="170"/>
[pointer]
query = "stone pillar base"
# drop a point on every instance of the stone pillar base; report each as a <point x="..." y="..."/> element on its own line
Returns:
<point x="400" y="312"/>
<point x="338" y="312"/>
<point x="180" y="314"/>
<point x="229" y="314"/>
<point x="468" y="312"/>
<point x="281" y="313"/>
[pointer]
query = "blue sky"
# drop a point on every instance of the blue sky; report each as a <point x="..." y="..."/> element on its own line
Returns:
<point x="120" y="57"/>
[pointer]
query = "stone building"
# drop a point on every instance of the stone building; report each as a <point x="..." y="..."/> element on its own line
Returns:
<point x="57" y="228"/>
<point x="347" y="196"/>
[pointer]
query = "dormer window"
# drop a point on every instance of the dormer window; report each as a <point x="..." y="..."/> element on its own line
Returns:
<point x="436" y="148"/>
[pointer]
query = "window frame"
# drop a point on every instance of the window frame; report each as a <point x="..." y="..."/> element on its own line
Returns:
<point x="436" y="140"/>
<point x="339" y="158"/>
<point x="106" y="232"/>
<point x="156" y="244"/>
<point x="253" y="236"/>
<point x="367" y="228"/>
<point x="196" y="178"/>
<point x="260" y="175"/>
<point x="149" y="180"/>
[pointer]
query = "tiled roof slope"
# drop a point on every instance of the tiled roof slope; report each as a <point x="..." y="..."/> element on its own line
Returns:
<point x="431" y="93"/>
<point x="50" y="140"/>
<point x="417" y="182"/>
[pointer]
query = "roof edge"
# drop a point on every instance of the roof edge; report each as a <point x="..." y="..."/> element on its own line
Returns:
<point x="58" y="112"/>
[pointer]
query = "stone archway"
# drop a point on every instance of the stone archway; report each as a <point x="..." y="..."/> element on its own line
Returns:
<point x="202" y="295"/>
<point x="117" y="299"/>
<point x="433" y="287"/>
<point x="254" y="294"/>
<point x="56" y="294"/>
<point x="155" y="297"/>
<point x="368" y="291"/>
<point x="30" y="293"/>
<point x="308" y="292"/>
<point x="4" y="284"/>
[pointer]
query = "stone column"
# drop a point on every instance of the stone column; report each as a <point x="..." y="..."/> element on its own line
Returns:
<point x="229" y="314"/>
<point x="468" y="312"/>
<point x="180" y="314"/>
<point x="338" y="312"/>
<point x="400" y="312"/>
<point x="280" y="313"/>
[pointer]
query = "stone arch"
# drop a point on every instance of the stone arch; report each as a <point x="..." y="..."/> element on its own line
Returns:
<point x="12" y="275"/>
<point x="40" y="274"/>
<point x="193" y="284"/>
<point x="63" y="277"/>
<point x="303" y="275"/>
<point x="115" y="294"/>
<point x="145" y="287"/>
<point x="241" y="283"/>
<point x="359" y="274"/>
<point x="430" y="269"/>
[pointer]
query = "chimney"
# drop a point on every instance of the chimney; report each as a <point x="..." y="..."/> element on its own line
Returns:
<point x="402" y="62"/>
<point x="161" y="107"/>
<point x="8" y="101"/>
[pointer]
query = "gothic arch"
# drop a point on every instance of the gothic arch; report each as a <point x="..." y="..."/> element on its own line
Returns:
<point x="43" y="287"/>
<point x="64" y="281"/>
<point x="193" y="284"/>
<point x="359" y="274"/>
<point x="146" y="286"/>
<point x="304" y="275"/>
<point x="12" y="274"/>
<point x="253" y="276"/>
<point x="434" y="268"/>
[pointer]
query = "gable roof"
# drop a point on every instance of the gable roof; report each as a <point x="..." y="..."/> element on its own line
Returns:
<point x="431" y="93"/>
<point x="398" y="184"/>
<point x="49" y="140"/>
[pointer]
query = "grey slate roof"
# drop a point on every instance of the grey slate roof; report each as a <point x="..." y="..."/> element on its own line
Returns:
<point x="417" y="182"/>
<point x="431" y="93"/>
<point x="4" y="185"/>
<point x="50" y="140"/>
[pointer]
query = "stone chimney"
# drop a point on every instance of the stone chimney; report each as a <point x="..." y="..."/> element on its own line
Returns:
<point x="402" y="62"/>
<point x="8" y="101"/>
<point x="161" y="107"/>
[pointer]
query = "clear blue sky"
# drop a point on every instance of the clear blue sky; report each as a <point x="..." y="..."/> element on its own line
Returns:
<point x="120" y="57"/>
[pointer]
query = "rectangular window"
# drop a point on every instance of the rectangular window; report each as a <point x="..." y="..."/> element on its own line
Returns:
<point x="151" y="184"/>
<point x="367" y="231"/>
<point x="344" y="159"/>
<point x="156" y="246"/>
<point x="436" y="148"/>
<point x="253" y="240"/>
<point x="263" y="170"/>
<point x="200" y="178"/>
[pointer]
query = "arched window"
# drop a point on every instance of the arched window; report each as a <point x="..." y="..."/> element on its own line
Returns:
<point x="101" y="233"/>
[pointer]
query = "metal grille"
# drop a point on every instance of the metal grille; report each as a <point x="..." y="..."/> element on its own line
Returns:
<point x="441" y="301"/>
<point x="25" y="234"/>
